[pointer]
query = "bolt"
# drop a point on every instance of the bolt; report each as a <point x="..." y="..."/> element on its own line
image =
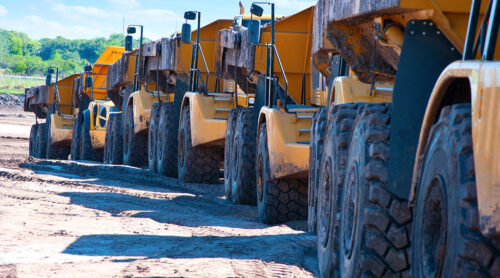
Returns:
<point x="423" y="33"/>
<point x="412" y="32"/>
<point x="438" y="32"/>
<point x="453" y="49"/>
<point x="431" y="24"/>
<point x="425" y="22"/>
<point x="413" y="22"/>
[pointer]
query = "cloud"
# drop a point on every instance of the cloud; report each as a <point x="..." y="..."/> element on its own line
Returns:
<point x="125" y="4"/>
<point x="78" y="11"/>
<point x="3" y="11"/>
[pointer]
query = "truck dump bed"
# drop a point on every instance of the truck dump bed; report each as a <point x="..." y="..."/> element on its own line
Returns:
<point x="242" y="62"/>
<point x="349" y="26"/>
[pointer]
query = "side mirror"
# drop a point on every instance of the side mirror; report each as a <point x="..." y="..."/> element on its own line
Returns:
<point x="87" y="68"/>
<point x="256" y="10"/>
<point x="189" y="15"/>
<point x="131" y="30"/>
<point x="48" y="79"/>
<point x="253" y="31"/>
<point x="50" y="71"/>
<point x="186" y="33"/>
<point x="129" y="40"/>
<point x="89" y="82"/>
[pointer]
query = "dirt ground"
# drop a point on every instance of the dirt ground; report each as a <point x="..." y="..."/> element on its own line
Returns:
<point x="76" y="219"/>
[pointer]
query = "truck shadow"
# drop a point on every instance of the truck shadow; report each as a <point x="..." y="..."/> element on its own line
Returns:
<point x="184" y="209"/>
<point x="269" y="248"/>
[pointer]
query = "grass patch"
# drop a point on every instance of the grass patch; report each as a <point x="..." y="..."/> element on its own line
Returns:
<point x="16" y="85"/>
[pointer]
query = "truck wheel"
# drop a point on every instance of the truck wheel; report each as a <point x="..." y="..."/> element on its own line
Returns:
<point x="315" y="152"/>
<point x="153" y="136"/>
<point x="196" y="164"/>
<point x="108" y="141"/>
<point x="32" y="141"/>
<point x="55" y="151"/>
<point x="41" y="140"/>
<point x="446" y="237"/>
<point x="243" y="162"/>
<point x="374" y="224"/>
<point x="75" y="139"/>
<point x="116" y="154"/>
<point x="87" y="152"/>
<point x="167" y="141"/>
<point x="231" y="125"/>
<point x="330" y="182"/>
<point x="134" y="145"/>
<point x="281" y="200"/>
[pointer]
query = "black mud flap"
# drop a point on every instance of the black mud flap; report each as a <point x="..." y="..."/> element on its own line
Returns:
<point x="425" y="53"/>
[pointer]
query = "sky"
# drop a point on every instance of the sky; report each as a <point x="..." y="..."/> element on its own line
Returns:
<point x="86" y="19"/>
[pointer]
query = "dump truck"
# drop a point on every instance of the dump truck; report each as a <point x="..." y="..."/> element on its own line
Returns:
<point x="93" y="108"/>
<point x="54" y="102"/>
<point x="270" y="133"/>
<point x="164" y="77"/>
<point x="407" y="186"/>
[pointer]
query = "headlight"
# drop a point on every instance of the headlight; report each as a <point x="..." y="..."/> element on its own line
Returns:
<point x="251" y="100"/>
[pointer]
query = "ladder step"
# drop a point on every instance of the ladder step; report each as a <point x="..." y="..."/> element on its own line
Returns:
<point x="304" y="116"/>
<point x="67" y="123"/>
<point x="304" y="130"/>
<point x="303" y="142"/>
<point x="220" y="94"/>
<point x="223" y="99"/>
<point x="222" y="109"/>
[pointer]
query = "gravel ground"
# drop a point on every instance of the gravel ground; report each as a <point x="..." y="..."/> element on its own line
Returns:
<point x="82" y="219"/>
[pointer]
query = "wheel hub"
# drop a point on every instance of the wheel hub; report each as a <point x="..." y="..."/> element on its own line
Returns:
<point x="433" y="225"/>
<point x="351" y="212"/>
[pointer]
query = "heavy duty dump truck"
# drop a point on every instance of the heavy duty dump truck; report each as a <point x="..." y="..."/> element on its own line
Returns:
<point x="438" y="122"/>
<point x="55" y="103"/>
<point x="271" y="129"/>
<point x="150" y="129"/>
<point x="93" y="109"/>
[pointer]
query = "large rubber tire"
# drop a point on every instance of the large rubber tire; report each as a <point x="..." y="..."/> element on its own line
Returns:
<point x="244" y="151"/>
<point x="375" y="224"/>
<point x="231" y="125"/>
<point x="41" y="141"/>
<point x="318" y="127"/>
<point x="55" y="151"/>
<point x="196" y="164"/>
<point x="32" y="140"/>
<point x="330" y="185"/>
<point x="108" y="141"/>
<point x="281" y="200"/>
<point x="87" y="152"/>
<point x="75" y="139"/>
<point x="167" y="141"/>
<point x="446" y="237"/>
<point x="116" y="155"/>
<point x="153" y="137"/>
<point x="135" y="146"/>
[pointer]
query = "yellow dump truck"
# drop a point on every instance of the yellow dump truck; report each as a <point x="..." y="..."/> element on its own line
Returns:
<point x="407" y="186"/>
<point x="270" y="135"/>
<point x="94" y="109"/>
<point x="54" y="102"/>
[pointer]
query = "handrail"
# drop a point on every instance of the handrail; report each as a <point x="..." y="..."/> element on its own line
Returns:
<point x="206" y="66"/>
<point x="281" y="68"/>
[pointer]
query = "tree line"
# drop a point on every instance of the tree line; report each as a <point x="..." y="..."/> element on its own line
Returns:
<point x="21" y="55"/>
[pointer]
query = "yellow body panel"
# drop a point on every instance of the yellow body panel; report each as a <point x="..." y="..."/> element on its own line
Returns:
<point x="61" y="129"/>
<point x="208" y="117"/>
<point x="65" y="89"/>
<point x="296" y="31"/>
<point x="100" y="71"/>
<point x="288" y="141"/>
<point x="208" y="37"/>
<point x="98" y="125"/>
<point x="484" y="79"/>
<point x="97" y="137"/>
<point x="349" y="90"/>
<point x="142" y="104"/>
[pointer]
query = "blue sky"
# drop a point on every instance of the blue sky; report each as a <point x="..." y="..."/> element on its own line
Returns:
<point x="96" y="18"/>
